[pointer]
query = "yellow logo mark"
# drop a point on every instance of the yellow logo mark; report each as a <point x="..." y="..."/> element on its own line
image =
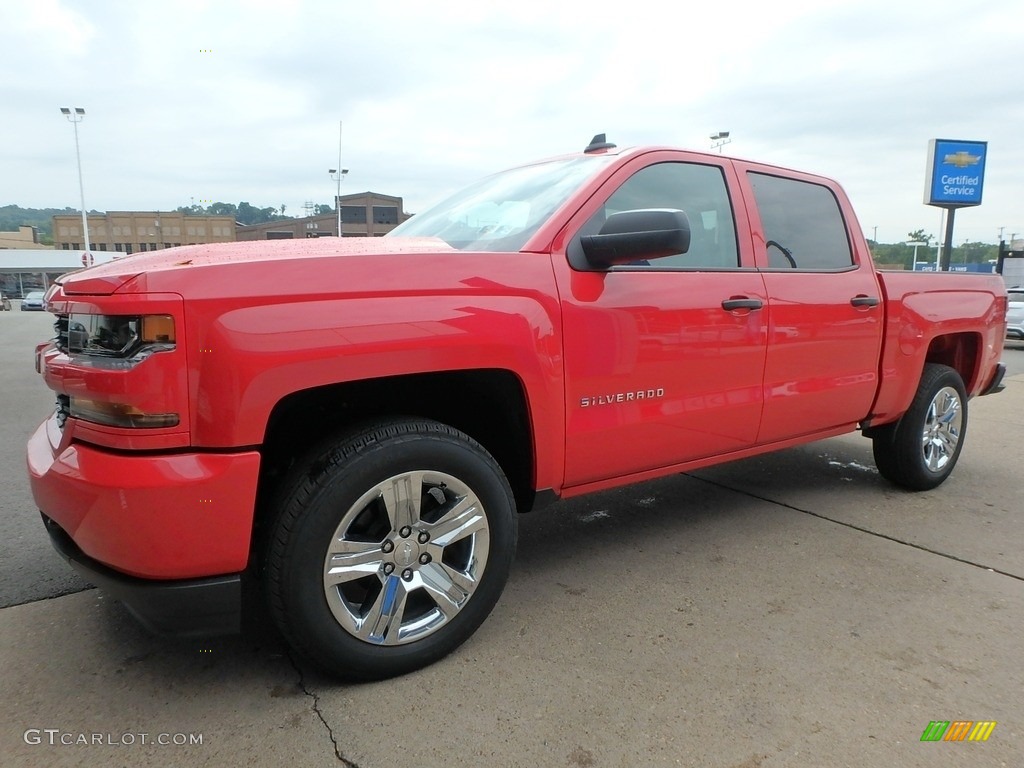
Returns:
<point x="962" y="159"/>
<point x="982" y="730"/>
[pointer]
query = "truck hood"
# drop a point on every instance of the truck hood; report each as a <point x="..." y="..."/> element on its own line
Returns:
<point x="108" y="278"/>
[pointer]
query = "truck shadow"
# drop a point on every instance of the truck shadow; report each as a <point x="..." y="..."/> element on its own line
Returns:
<point x="702" y="520"/>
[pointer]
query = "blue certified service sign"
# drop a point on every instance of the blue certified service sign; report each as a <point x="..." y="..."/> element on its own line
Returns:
<point x="956" y="172"/>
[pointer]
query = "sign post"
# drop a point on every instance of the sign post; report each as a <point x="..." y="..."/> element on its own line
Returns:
<point x="954" y="179"/>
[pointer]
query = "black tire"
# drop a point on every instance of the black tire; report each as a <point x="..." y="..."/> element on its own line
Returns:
<point x="386" y="615"/>
<point x="920" y="450"/>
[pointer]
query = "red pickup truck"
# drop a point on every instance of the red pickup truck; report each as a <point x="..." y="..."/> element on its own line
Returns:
<point x="349" y="428"/>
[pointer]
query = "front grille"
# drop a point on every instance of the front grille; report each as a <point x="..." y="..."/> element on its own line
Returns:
<point x="61" y="328"/>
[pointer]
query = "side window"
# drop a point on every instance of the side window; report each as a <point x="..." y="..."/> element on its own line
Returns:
<point x="803" y="226"/>
<point x="699" y="191"/>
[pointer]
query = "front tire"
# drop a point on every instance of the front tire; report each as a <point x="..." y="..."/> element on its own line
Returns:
<point x="920" y="450"/>
<point x="391" y="547"/>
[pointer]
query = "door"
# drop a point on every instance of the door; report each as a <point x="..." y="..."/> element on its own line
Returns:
<point x="825" y="309"/>
<point x="663" y="358"/>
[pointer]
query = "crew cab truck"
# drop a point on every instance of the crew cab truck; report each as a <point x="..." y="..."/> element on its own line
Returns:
<point x="349" y="428"/>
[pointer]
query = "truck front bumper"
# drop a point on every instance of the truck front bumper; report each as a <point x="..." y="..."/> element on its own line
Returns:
<point x="180" y="608"/>
<point x="166" y="533"/>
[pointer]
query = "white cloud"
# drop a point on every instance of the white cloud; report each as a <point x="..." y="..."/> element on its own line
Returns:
<point x="241" y="101"/>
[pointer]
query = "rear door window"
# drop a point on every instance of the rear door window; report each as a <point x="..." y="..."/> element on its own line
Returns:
<point x="803" y="226"/>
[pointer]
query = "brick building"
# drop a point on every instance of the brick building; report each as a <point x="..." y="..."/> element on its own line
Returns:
<point x="26" y="238"/>
<point x="365" y="214"/>
<point x="134" y="231"/>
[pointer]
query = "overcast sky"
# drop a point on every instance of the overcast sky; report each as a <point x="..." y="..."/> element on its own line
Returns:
<point x="205" y="101"/>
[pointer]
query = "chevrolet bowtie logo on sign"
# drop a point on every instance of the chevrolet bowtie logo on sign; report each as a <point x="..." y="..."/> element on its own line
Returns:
<point x="962" y="159"/>
<point x="958" y="730"/>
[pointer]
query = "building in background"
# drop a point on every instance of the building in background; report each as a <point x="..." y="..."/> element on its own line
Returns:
<point x="26" y="238"/>
<point x="135" y="231"/>
<point x="23" y="270"/>
<point x="365" y="214"/>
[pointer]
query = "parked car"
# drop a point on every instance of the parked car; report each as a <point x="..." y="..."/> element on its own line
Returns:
<point x="33" y="301"/>
<point x="1015" y="313"/>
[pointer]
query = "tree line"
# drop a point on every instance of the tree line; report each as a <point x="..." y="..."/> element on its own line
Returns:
<point x="13" y="216"/>
<point x="245" y="213"/>
<point x="901" y="254"/>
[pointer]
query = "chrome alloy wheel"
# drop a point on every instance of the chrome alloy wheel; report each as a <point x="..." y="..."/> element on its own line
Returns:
<point x="942" y="429"/>
<point x="406" y="558"/>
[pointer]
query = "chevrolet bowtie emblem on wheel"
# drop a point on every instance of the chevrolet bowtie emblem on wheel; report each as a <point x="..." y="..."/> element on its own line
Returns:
<point x="406" y="554"/>
<point x="961" y="159"/>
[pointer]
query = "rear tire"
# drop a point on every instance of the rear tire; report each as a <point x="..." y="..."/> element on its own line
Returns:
<point x="920" y="450"/>
<point x="390" y="549"/>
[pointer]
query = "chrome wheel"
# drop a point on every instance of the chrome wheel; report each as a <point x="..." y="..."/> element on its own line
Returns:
<point x="391" y="545"/>
<point x="942" y="429"/>
<point x="406" y="557"/>
<point x="920" y="450"/>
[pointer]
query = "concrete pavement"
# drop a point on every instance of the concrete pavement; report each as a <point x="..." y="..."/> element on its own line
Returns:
<point x="787" y="610"/>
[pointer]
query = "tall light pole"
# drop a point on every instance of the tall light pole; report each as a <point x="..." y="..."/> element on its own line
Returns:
<point x="719" y="140"/>
<point x="337" y="198"/>
<point x="75" y="119"/>
<point x="340" y="173"/>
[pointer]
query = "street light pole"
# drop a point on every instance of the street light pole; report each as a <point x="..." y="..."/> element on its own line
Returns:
<point x="75" y="119"/>
<point x="337" y="197"/>
<point x="341" y="172"/>
<point x="719" y="140"/>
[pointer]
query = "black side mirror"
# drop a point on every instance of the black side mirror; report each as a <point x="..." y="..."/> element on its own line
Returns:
<point x="650" y="233"/>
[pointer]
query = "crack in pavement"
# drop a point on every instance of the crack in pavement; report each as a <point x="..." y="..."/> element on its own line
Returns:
<point x="316" y="708"/>
<point x="854" y="527"/>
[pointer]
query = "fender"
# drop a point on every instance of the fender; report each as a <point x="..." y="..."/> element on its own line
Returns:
<point x="246" y="357"/>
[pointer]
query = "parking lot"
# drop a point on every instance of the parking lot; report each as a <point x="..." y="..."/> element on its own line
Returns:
<point x="786" y="610"/>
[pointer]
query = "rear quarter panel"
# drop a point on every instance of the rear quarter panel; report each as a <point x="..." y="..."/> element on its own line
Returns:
<point x="923" y="306"/>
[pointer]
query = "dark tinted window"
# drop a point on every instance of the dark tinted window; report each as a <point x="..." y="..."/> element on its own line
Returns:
<point x="385" y="214"/>
<point x="353" y="214"/>
<point x="802" y="224"/>
<point x="697" y="190"/>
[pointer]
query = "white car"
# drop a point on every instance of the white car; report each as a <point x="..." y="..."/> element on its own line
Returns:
<point x="33" y="301"/>
<point x="1015" y="313"/>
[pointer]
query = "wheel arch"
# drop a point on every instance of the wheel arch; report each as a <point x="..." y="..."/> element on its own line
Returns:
<point x="960" y="351"/>
<point x="489" y="405"/>
<point x="903" y="366"/>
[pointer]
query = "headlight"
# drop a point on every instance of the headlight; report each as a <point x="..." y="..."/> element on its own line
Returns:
<point x="118" y="343"/>
<point x="119" y="336"/>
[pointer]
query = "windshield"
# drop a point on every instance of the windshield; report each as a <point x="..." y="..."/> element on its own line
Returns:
<point x="501" y="212"/>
